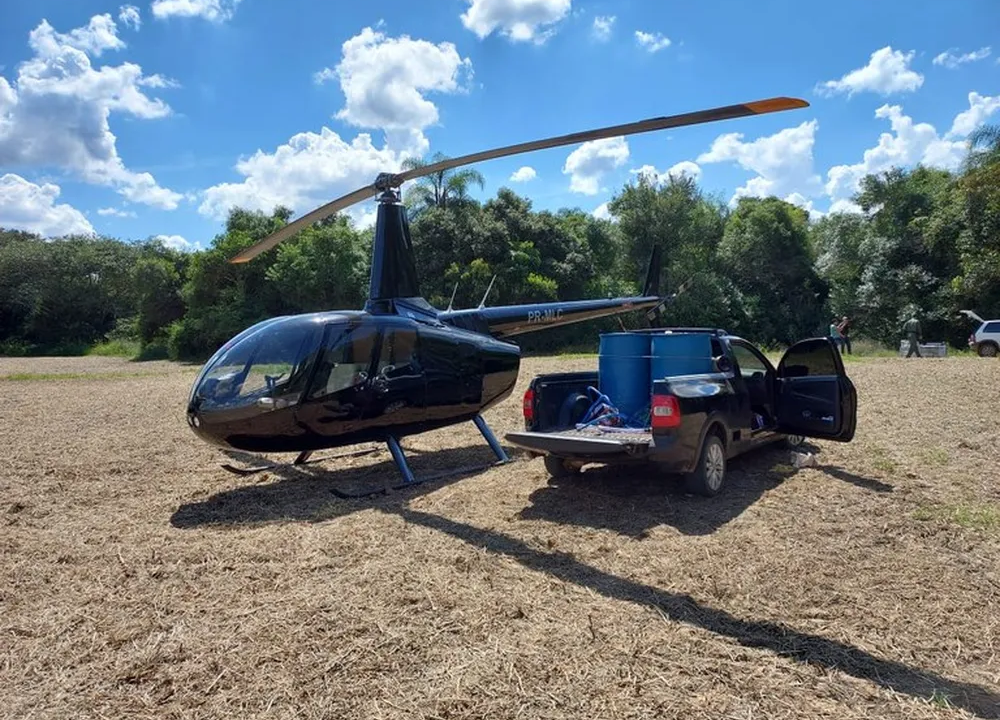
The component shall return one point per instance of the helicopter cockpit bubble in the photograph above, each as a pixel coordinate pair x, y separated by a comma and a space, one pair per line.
266, 368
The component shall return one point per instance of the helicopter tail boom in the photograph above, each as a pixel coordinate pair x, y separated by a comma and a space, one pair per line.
509, 320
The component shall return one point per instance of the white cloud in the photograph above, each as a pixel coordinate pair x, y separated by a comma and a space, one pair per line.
603, 26
116, 212
518, 20
27, 206
129, 16
523, 174
783, 161
652, 41
307, 171
384, 81
592, 160
980, 108
678, 170
888, 71
56, 113
949, 60
910, 143
213, 10
176, 242
601, 212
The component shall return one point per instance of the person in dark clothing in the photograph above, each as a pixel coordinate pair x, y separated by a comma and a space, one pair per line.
844, 328
913, 333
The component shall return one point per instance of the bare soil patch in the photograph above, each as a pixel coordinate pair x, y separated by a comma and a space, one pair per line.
139, 579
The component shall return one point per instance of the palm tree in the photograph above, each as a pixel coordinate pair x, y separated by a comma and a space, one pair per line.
984, 147
442, 188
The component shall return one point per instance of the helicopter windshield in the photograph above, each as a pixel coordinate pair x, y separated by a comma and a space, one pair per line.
269, 363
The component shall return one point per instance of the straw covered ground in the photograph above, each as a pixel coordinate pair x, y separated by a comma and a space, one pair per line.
138, 579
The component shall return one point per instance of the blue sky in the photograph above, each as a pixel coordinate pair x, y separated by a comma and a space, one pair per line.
154, 118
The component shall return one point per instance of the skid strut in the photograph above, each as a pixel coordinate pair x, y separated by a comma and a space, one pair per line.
409, 479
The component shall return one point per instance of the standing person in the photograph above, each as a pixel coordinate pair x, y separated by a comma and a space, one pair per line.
845, 333
836, 336
913, 333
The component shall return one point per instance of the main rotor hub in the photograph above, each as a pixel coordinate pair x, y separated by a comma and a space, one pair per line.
386, 182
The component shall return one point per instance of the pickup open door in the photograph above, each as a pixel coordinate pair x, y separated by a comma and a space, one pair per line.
813, 395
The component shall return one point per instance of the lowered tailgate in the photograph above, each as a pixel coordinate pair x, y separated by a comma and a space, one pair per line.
585, 443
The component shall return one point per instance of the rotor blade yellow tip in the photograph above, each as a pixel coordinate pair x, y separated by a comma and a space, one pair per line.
776, 104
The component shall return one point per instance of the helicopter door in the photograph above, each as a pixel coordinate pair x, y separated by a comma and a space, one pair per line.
341, 390
399, 392
454, 371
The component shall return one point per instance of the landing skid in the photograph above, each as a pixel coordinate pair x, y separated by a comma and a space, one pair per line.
409, 479
302, 459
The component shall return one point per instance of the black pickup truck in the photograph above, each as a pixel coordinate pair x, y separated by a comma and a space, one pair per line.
697, 422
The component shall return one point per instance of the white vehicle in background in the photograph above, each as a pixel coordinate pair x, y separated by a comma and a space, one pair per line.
986, 339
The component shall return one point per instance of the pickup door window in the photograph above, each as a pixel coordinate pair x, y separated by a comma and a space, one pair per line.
815, 398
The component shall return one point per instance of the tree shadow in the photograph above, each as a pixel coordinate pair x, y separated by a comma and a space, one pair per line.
779, 639
631, 500
312, 493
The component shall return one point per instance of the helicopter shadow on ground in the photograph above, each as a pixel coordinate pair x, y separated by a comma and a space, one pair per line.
314, 492
632, 500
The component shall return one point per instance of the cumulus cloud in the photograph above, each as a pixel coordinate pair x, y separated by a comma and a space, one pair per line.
55, 115
651, 41
602, 27
593, 160
783, 161
685, 168
517, 20
177, 242
129, 16
910, 143
27, 206
384, 81
212, 10
951, 61
307, 171
601, 212
115, 212
888, 71
523, 174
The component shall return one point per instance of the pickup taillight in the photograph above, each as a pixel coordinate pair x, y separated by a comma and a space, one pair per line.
528, 406
665, 412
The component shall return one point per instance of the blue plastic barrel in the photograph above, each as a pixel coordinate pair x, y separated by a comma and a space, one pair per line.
676, 354
623, 371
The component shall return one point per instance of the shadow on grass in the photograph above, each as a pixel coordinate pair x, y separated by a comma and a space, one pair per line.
312, 493
632, 500
779, 639
306, 493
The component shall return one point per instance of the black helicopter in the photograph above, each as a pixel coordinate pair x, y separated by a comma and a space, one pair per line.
399, 367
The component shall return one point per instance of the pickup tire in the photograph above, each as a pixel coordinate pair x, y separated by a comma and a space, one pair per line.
557, 467
710, 472
987, 349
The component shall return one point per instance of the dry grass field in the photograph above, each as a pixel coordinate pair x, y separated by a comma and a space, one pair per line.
140, 580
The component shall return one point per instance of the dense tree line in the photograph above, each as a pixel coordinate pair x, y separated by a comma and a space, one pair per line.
926, 241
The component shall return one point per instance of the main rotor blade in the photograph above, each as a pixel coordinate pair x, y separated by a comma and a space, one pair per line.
758, 107
293, 227
728, 112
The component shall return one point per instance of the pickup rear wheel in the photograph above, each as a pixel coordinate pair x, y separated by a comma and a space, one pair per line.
557, 467
987, 349
711, 471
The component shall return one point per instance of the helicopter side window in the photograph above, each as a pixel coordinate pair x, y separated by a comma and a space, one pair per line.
397, 356
346, 360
